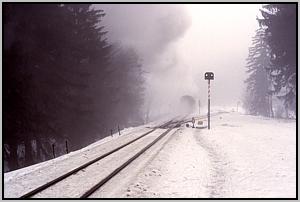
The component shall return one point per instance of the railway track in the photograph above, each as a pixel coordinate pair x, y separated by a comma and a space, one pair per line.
168, 125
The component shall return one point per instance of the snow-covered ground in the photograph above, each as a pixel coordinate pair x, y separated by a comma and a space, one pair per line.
241, 156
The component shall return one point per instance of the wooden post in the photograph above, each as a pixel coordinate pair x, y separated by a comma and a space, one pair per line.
53, 150
111, 132
119, 130
67, 149
193, 121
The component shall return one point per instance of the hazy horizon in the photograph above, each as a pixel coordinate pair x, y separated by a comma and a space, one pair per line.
179, 43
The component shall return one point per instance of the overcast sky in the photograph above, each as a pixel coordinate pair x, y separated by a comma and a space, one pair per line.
178, 43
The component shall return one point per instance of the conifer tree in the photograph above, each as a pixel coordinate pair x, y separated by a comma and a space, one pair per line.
63, 81
259, 87
279, 21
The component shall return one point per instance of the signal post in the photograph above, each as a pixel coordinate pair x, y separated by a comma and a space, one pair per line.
208, 76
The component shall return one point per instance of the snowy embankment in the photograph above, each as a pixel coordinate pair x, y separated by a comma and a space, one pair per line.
241, 156
19, 182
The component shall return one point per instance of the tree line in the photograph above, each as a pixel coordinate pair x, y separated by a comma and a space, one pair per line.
63, 81
271, 63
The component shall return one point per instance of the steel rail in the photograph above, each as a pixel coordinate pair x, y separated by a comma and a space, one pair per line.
121, 167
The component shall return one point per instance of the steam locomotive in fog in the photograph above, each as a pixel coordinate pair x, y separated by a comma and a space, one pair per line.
187, 104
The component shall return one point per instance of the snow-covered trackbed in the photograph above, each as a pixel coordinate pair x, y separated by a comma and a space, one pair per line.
109, 164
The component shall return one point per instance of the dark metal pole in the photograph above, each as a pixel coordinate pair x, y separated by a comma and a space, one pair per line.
208, 113
119, 130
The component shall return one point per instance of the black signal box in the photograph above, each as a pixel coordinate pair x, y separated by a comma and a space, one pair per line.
209, 76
